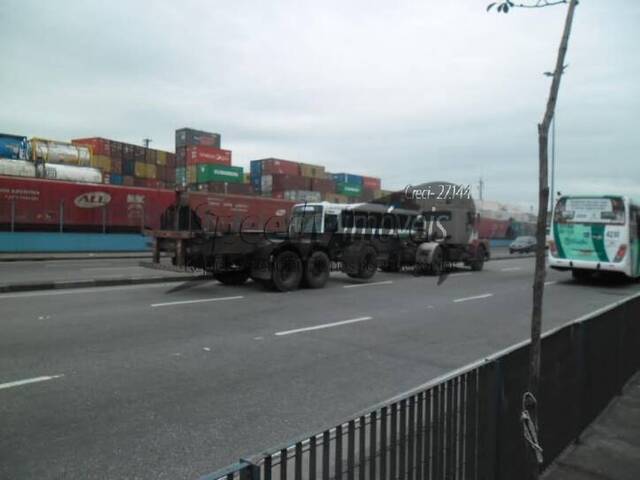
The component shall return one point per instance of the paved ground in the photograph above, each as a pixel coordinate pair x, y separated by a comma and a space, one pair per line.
610, 448
28, 271
175, 380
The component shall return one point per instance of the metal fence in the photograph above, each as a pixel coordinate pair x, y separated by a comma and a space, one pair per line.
56, 218
467, 425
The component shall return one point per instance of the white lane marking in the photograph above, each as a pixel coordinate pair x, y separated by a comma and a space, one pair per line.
460, 274
546, 284
476, 297
386, 282
27, 381
326, 325
98, 269
200, 300
73, 291
510, 269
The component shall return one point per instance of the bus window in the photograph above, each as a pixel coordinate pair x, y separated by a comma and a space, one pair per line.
361, 220
330, 223
347, 219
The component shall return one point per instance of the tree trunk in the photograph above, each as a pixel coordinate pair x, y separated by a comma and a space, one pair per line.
543, 201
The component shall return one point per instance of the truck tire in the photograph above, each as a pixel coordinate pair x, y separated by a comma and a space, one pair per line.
393, 264
232, 278
316, 270
286, 271
367, 263
477, 263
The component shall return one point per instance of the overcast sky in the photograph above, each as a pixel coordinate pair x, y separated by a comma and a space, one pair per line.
408, 91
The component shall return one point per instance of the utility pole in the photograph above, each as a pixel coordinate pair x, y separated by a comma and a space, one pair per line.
553, 161
146, 142
481, 189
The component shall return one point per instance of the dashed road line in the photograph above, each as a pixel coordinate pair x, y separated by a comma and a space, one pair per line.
386, 282
510, 269
19, 383
475, 297
200, 300
553, 282
326, 325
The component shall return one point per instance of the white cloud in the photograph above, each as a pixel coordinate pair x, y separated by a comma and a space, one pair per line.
402, 90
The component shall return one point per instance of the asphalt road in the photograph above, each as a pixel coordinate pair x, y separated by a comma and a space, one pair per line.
176, 380
61, 270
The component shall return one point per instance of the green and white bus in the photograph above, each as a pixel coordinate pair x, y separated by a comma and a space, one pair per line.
596, 233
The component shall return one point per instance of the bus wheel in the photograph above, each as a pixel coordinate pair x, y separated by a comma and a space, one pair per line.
286, 271
436, 266
316, 271
477, 263
232, 278
581, 275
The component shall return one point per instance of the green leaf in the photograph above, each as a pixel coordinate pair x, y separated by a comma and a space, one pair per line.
506, 8
490, 6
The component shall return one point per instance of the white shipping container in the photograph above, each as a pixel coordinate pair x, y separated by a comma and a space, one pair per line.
60, 152
57, 171
266, 183
17, 168
302, 196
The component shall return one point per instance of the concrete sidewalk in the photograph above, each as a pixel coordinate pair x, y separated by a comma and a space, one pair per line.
609, 449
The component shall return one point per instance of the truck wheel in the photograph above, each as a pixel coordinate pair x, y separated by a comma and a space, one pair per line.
392, 264
316, 271
286, 271
231, 278
367, 263
477, 263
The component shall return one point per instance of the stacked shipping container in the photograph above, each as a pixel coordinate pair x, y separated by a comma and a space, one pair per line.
202, 165
131, 165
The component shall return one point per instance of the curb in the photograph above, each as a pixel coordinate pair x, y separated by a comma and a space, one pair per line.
513, 257
107, 282
74, 257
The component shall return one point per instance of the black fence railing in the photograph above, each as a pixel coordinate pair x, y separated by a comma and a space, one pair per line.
466, 425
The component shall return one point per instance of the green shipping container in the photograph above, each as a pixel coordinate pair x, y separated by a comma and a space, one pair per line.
219, 173
349, 189
181, 175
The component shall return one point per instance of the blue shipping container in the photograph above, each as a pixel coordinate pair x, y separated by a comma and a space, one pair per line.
347, 178
115, 179
14, 147
256, 168
128, 167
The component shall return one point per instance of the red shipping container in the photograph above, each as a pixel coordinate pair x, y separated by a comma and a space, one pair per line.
128, 180
239, 188
271, 166
323, 185
203, 154
37, 205
171, 160
371, 183
281, 182
99, 146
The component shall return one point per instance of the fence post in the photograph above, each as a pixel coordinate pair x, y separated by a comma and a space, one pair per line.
61, 215
13, 214
104, 219
251, 472
489, 410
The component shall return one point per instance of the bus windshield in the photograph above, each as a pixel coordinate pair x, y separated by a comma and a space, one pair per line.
609, 210
306, 219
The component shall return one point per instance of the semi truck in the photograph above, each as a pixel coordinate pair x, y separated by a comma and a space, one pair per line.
429, 235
